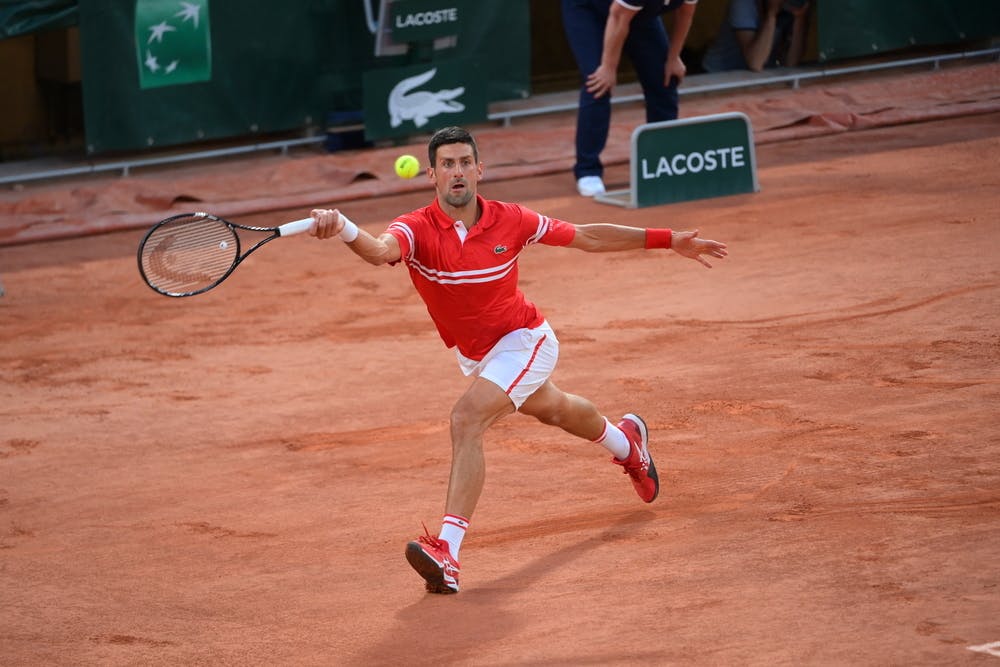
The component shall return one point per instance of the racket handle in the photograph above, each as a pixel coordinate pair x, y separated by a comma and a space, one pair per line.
296, 227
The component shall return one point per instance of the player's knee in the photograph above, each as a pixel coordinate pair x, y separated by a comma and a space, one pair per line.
465, 421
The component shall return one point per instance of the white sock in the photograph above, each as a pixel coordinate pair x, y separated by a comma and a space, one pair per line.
453, 529
615, 441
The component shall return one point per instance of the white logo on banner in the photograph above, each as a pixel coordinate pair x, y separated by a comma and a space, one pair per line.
422, 105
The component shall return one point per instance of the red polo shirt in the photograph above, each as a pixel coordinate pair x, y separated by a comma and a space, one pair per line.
470, 286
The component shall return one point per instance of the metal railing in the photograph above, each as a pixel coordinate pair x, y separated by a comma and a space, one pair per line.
746, 80
753, 80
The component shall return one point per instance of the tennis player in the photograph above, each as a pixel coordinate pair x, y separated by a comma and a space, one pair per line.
461, 252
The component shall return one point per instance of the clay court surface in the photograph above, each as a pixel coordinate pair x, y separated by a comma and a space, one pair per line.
231, 479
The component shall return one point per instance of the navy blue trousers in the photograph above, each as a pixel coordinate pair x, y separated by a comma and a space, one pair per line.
646, 47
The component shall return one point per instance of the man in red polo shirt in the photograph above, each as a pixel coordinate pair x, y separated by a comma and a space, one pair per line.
462, 252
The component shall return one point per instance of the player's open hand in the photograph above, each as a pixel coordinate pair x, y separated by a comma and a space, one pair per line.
328, 224
689, 245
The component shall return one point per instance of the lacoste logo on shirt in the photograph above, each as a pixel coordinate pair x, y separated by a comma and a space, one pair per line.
500, 249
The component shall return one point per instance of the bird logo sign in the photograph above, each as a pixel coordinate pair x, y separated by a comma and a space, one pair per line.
173, 42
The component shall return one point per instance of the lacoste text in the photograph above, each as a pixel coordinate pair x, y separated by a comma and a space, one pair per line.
449, 15
710, 160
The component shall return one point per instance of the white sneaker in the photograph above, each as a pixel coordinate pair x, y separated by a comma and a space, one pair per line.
588, 186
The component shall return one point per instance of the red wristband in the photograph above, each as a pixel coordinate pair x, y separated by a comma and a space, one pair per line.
658, 238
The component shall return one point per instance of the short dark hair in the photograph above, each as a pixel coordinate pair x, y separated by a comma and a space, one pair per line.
450, 135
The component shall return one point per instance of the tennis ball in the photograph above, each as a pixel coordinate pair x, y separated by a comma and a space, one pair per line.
407, 166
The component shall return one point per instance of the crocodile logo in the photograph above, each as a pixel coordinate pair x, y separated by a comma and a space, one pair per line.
422, 105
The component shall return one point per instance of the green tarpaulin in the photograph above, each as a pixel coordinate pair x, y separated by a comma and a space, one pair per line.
23, 17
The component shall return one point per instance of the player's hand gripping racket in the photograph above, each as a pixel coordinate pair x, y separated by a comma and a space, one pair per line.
191, 253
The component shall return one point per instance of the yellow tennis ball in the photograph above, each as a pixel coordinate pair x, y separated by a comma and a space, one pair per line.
407, 166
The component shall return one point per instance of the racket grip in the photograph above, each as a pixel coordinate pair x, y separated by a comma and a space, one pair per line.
296, 227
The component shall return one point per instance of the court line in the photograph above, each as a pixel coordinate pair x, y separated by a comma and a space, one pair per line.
993, 648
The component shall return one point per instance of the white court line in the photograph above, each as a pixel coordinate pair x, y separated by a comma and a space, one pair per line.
993, 648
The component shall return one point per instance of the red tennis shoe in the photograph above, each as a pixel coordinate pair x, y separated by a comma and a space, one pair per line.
431, 558
639, 465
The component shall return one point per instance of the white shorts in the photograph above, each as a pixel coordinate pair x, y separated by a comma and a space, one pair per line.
520, 362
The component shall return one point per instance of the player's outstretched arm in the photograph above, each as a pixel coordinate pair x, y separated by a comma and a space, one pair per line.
609, 238
332, 223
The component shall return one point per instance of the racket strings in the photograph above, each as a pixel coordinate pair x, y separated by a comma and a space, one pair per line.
189, 254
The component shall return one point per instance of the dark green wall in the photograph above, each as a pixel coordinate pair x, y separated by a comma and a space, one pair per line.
852, 28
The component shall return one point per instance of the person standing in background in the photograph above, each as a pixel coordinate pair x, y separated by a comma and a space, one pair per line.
598, 31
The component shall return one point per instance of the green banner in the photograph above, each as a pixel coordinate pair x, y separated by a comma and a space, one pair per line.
405, 100
161, 73
172, 46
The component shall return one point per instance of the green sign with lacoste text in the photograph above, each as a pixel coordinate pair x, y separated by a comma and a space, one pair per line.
400, 101
424, 20
691, 158
173, 42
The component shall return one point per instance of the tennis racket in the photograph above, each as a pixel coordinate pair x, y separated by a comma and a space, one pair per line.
191, 253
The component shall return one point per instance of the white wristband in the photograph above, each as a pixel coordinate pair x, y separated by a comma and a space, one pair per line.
350, 230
